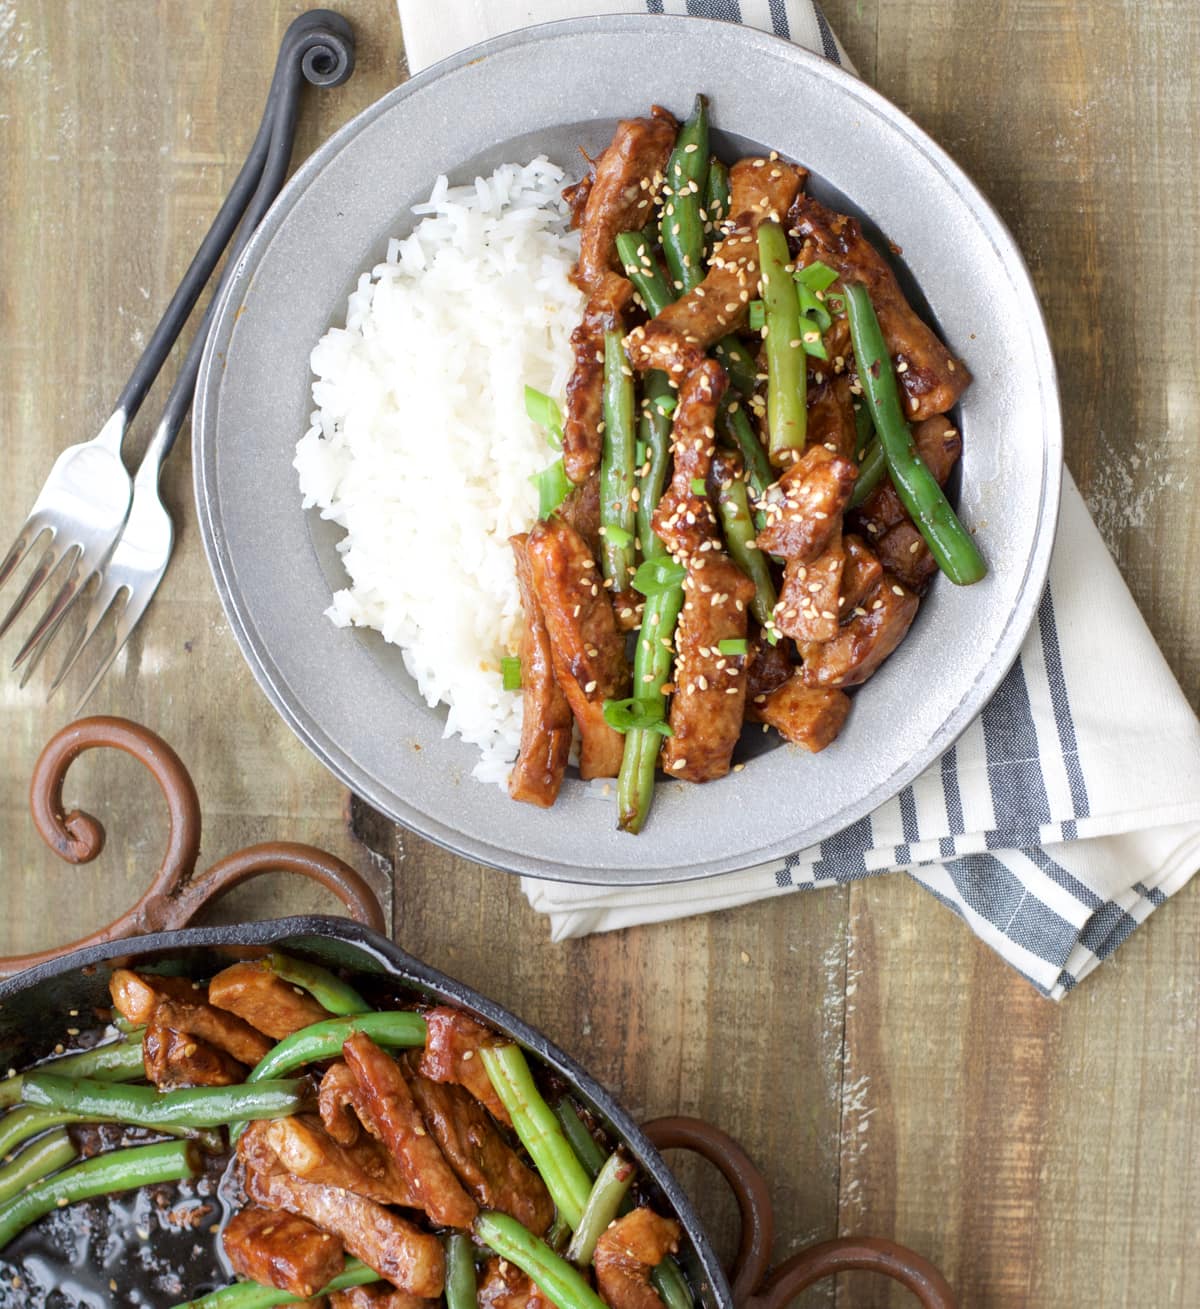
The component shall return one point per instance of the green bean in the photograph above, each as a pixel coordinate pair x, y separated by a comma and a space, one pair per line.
864, 430
609, 1189
654, 431
326, 988
581, 1140
736, 428
871, 471
250, 1295
671, 1285
786, 366
538, 1130
618, 558
114, 1061
28, 1120
738, 526
324, 1040
44, 1156
461, 1292
739, 363
716, 199
146, 1106
121, 1170
681, 229
652, 660
552, 1275
949, 542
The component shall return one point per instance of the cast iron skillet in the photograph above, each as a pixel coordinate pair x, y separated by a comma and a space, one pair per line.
124, 1241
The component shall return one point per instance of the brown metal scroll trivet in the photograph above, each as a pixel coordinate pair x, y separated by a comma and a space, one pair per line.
175, 895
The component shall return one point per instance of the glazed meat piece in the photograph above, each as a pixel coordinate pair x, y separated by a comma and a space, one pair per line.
480, 1157
409, 1258
808, 601
627, 1252
587, 646
581, 510
861, 572
173, 1059
804, 508
391, 1115
930, 377
264, 1000
451, 1051
546, 722
678, 338
582, 440
683, 519
305, 1148
176, 1003
808, 716
831, 417
339, 1102
875, 629
764, 188
903, 552
939, 445
281, 1250
378, 1297
625, 180
770, 666
710, 688
504, 1286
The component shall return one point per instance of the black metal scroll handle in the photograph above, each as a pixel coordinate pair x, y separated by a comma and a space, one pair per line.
317, 47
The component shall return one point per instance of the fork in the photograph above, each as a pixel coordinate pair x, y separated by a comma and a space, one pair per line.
106, 525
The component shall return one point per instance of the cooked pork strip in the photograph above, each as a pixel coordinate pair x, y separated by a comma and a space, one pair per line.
859, 576
305, 1148
481, 1158
931, 378
583, 442
626, 1253
264, 1000
875, 629
451, 1051
804, 508
903, 552
136, 996
710, 688
770, 667
808, 716
411, 1259
378, 1297
581, 510
392, 1116
281, 1250
831, 416
546, 722
504, 1286
764, 188
808, 601
338, 1102
587, 646
684, 519
173, 1059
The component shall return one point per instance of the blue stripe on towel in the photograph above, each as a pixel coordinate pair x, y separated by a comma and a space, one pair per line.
779, 19
1019, 799
1067, 880
730, 11
843, 856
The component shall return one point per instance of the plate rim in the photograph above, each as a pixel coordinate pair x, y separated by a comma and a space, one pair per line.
339, 761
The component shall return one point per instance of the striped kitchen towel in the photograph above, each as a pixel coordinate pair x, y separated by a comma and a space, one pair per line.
1068, 812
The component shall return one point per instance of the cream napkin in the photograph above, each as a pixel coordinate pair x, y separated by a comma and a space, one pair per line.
1067, 812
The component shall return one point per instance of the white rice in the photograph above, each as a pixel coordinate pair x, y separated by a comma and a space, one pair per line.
420, 446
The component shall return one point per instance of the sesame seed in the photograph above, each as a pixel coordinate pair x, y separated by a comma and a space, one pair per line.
589, 688
897, 590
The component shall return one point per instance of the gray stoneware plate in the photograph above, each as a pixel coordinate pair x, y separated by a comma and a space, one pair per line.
550, 90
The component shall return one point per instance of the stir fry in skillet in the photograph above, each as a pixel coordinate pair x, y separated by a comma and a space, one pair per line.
391, 1158
754, 449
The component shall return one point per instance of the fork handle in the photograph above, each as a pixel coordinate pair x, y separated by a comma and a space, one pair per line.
319, 46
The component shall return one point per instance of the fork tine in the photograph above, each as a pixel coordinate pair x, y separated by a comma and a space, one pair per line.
48, 624
29, 535
102, 602
37, 579
31, 664
125, 624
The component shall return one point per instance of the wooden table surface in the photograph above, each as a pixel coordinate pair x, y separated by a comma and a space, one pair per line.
888, 1072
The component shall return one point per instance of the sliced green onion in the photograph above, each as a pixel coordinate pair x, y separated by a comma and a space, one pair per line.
811, 307
816, 277
655, 576
510, 673
699, 486
617, 535
758, 315
665, 404
636, 715
553, 487
733, 646
545, 411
